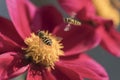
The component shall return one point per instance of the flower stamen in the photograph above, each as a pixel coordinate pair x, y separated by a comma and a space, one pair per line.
44, 48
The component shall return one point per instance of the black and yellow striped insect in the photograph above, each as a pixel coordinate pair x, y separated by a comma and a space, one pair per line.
70, 21
44, 38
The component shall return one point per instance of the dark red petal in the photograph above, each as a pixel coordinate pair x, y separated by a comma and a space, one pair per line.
33, 74
59, 75
72, 75
19, 15
36, 72
7, 28
78, 39
83, 66
68, 6
46, 18
110, 38
7, 66
47, 75
7, 44
40, 75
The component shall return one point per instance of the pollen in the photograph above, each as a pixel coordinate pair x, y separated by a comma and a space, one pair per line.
41, 53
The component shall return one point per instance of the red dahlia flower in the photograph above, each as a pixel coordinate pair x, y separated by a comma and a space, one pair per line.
85, 12
41, 55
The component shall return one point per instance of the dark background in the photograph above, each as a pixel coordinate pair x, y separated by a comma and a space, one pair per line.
109, 62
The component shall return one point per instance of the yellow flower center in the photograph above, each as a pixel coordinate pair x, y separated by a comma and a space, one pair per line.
43, 49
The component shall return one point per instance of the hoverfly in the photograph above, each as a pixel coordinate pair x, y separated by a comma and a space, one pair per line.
71, 21
44, 38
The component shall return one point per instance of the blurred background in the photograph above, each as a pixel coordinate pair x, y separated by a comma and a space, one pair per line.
109, 62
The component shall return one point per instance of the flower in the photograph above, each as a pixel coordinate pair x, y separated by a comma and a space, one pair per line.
86, 13
116, 3
41, 54
104, 11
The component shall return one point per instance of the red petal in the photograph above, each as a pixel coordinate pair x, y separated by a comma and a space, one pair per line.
66, 74
31, 9
46, 18
19, 71
5, 61
7, 28
33, 74
37, 73
68, 6
78, 39
83, 66
7, 44
7, 69
19, 15
59, 75
110, 39
47, 75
